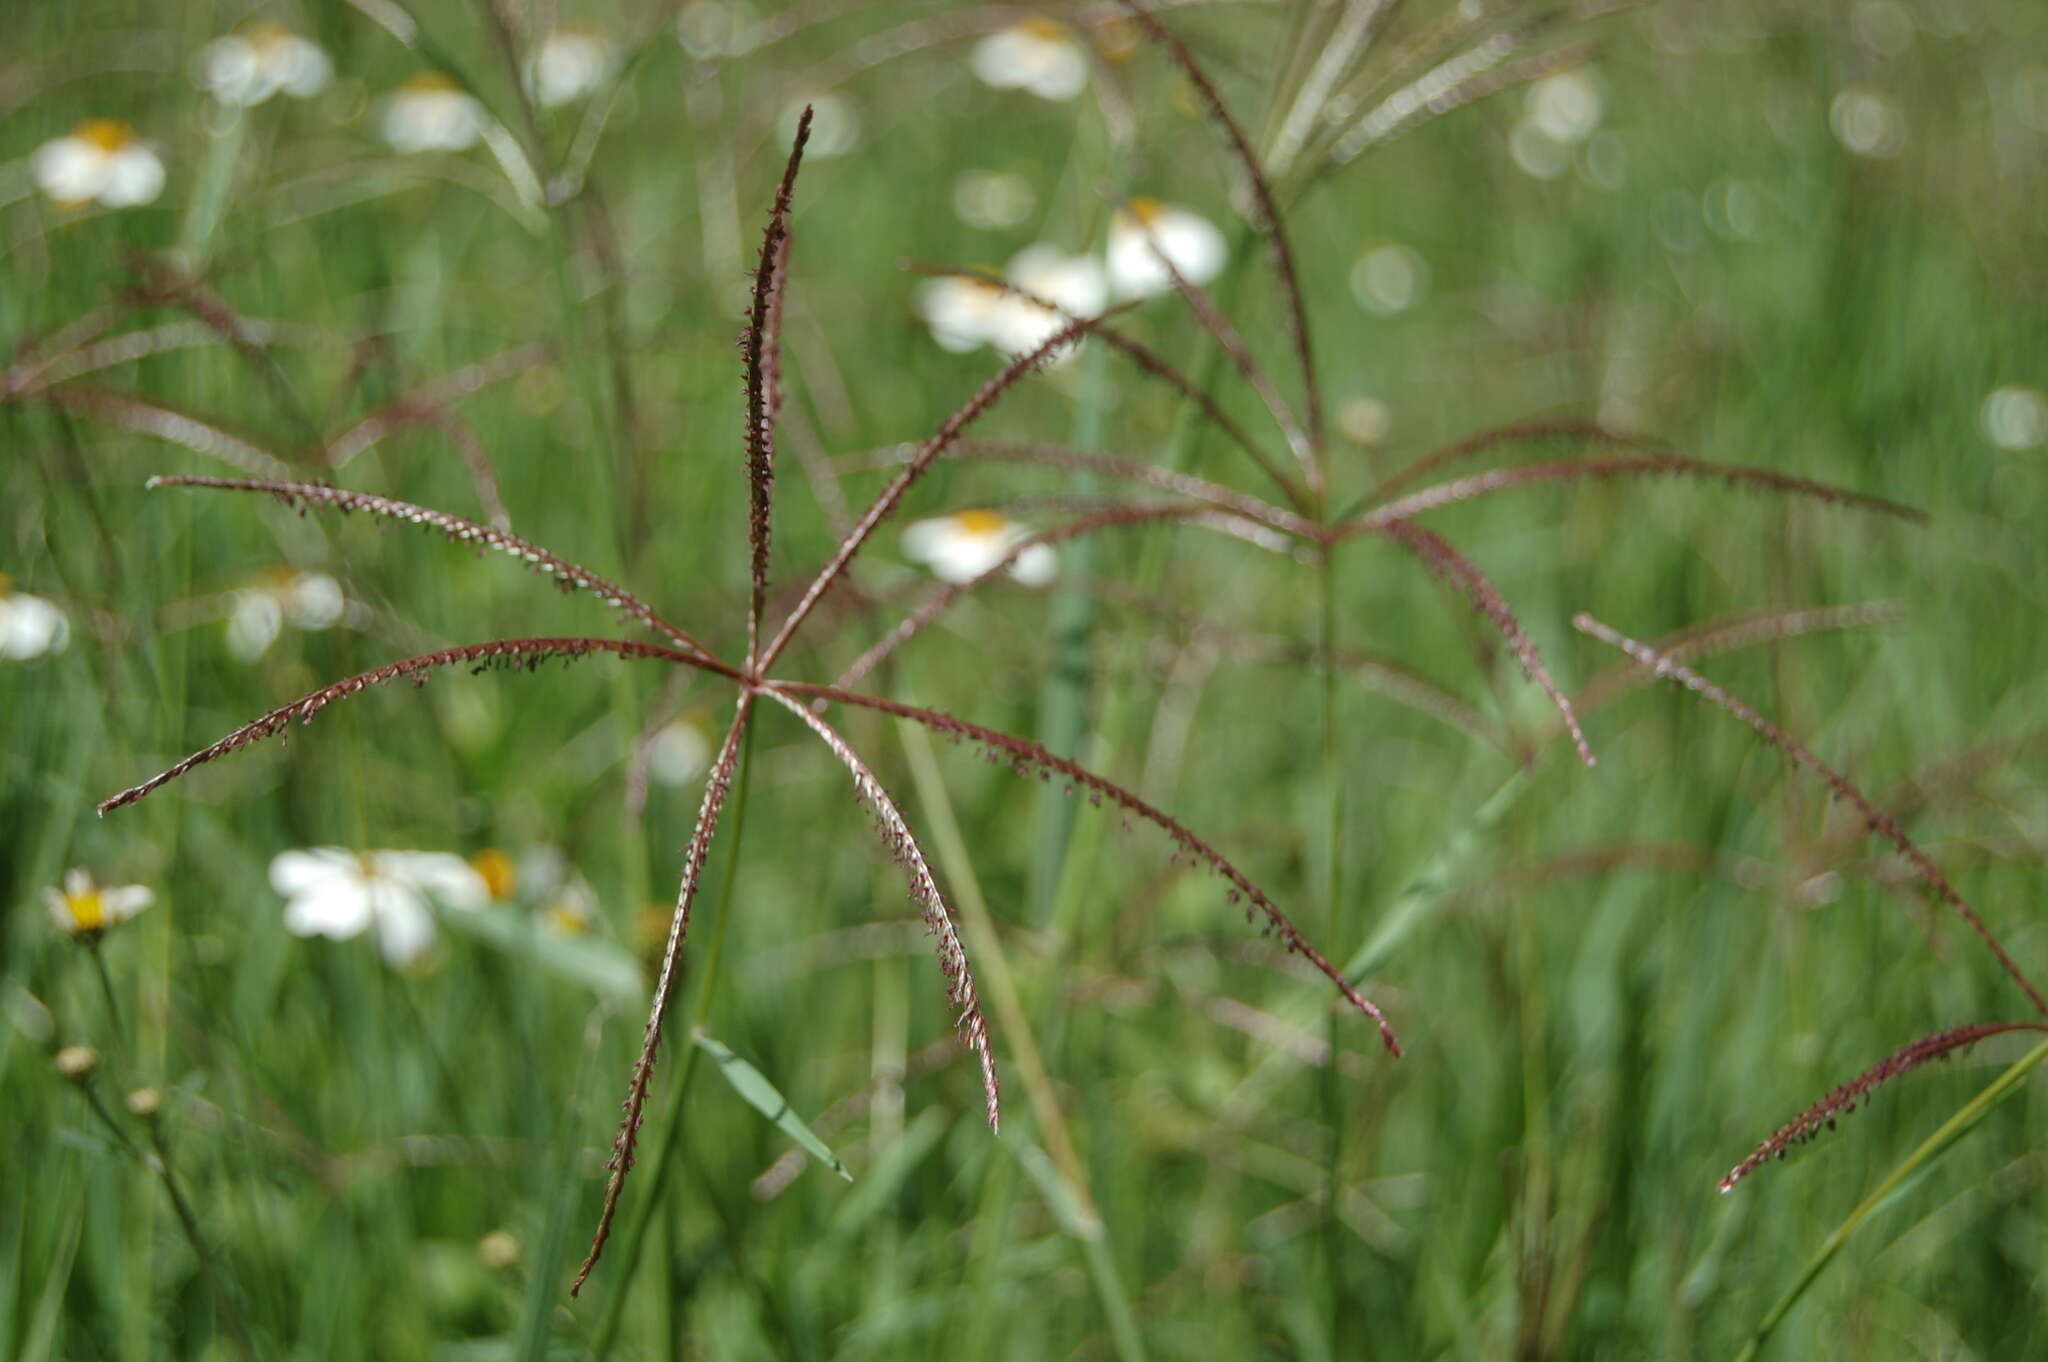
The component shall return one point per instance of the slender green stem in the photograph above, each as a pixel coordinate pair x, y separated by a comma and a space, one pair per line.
99, 968
993, 966
1951, 1130
1332, 873
654, 1182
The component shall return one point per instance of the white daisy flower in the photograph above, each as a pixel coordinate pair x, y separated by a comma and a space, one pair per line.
1868, 122
1566, 107
340, 894
1037, 55
101, 160
304, 600
2013, 418
85, 908
29, 625
962, 310
265, 59
1147, 229
431, 112
571, 63
678, 753
993, 199
1073, 284
962, 546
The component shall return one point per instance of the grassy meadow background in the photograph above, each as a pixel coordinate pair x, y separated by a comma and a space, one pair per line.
1611, 982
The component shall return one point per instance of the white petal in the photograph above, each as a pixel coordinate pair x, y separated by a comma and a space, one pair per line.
1062, 72
961, 312
1002, 60
30, 627
449, 878
405, 927
300, 67
71, 170
678, 754
923, 538
232, 72
253, 624
297, 872
432, 120
1036, 566
1073, 283
125, 902
134, 176
335, 908
314, 601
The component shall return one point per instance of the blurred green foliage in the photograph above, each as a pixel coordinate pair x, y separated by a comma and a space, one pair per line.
1615, 986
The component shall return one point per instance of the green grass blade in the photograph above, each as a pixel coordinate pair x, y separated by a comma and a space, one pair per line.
753, 1086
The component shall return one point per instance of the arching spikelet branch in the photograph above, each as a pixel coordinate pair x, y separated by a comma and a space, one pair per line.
1844, 1099
987, 396
894, 831
1151, 475
1515, 432
716, 787
942, 600
761, 345
1269, 214
145, 417
1027, 756
1439, 557
1878, 821
1227, 336
299, 495
1636, 465
524, 653
426, 402
1148, 360
1714, 637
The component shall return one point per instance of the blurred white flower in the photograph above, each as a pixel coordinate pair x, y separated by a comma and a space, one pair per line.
571, 63
29, 625
431, 112
1389, 278
1868, 123
304, 600
99, 160
1073, 284
993, 199
1147, 229
964, 311
1037, 55
961, 310
709, 30
962, 546
571, 910
2015, 418
678, 753
1364, 420
1566, 107
340, 894
835, 124
85, 908
264, 59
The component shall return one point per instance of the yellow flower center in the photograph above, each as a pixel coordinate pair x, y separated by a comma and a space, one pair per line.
1146, 210
266, 34
108, 134
567, 920
1044, 29
433, 83
496, 869
979, 523
88, 910
6, 586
